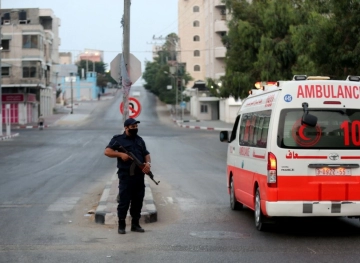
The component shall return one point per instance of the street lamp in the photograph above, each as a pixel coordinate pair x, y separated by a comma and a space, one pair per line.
71, 85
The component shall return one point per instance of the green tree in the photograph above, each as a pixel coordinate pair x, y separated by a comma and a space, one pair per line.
157, 73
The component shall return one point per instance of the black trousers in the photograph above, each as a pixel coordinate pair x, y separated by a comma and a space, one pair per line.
131, 193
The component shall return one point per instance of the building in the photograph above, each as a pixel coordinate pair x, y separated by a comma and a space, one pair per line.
191, 32
65, 58
91, 55
30, 42
79, 89
216, 28
202, 24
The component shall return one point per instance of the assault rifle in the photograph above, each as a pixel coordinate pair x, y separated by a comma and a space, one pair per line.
137, 163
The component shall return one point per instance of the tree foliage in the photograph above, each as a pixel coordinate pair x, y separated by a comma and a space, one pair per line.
157, 73
271, 40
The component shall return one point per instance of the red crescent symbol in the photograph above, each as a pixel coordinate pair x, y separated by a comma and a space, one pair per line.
301, 133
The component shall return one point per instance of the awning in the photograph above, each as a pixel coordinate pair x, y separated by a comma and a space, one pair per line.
5, 65
200, 85
6, 37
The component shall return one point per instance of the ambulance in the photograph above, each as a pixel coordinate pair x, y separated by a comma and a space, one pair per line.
294, 150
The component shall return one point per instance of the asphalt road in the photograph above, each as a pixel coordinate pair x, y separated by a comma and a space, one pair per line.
50, 179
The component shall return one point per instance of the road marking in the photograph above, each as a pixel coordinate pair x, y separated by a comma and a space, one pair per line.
63, 204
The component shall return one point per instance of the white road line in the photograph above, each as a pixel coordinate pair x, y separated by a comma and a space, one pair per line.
63, 204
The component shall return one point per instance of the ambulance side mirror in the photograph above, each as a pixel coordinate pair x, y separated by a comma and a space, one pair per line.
224, 136
309, 120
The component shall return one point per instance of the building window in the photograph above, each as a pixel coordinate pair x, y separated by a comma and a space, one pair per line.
31, 41
196, 23
196, 38
196, 9
203, 108
31, 69
5, 71
5, 44
196, 68
197, 53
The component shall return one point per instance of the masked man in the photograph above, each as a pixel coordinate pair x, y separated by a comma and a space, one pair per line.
131, 180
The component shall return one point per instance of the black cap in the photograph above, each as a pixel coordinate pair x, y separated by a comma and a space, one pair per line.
130, 121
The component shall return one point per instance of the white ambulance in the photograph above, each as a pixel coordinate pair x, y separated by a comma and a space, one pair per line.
294, 150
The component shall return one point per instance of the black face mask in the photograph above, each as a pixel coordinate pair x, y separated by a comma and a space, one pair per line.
133, 131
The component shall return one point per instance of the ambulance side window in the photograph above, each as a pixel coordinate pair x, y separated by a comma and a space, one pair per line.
245, 129
254, 128
234, 130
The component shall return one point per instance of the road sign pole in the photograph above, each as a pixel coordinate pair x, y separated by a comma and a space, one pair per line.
126, 54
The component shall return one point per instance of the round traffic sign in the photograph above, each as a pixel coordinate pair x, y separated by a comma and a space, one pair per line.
134, 107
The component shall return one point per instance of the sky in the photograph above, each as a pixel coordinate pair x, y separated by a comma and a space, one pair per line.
96, 24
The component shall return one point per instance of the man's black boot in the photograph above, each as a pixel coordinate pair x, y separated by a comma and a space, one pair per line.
122, 226
135, 226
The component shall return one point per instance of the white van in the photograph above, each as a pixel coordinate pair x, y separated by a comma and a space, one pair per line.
294, 150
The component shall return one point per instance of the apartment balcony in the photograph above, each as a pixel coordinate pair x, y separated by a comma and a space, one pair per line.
218, 3
23, 82
220, 52
221, 26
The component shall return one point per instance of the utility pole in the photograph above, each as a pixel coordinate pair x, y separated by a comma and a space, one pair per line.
126, 54
1, 118
71, 85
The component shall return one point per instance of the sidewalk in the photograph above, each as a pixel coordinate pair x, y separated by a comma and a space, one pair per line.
81, 111
187, 121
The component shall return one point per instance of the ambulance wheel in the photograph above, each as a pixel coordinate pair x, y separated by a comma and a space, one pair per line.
259, 216
235, 205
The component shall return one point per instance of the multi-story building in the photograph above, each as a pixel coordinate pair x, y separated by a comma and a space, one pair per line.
191, 32
93, 55
202, 24
30, 48
216, 28
65, 58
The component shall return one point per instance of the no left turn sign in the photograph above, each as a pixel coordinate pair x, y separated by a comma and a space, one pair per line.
134, 107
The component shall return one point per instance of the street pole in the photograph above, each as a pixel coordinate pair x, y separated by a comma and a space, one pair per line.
126, 54
72, 102
182, 99
1, 119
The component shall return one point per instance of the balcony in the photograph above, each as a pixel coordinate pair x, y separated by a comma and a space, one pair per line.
218, 3
220, 52
221, 26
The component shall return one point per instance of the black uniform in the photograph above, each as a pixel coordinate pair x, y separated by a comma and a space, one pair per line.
131, 188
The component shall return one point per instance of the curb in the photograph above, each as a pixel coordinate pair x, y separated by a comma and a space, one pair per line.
28, 127
3, 138
106, 212
179, 123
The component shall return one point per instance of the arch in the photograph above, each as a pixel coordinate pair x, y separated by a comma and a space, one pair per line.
197, 53
196, 68
196, 23
196, 38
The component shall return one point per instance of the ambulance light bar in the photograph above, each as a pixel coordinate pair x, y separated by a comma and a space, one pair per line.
353, 78
318, 78
300, 77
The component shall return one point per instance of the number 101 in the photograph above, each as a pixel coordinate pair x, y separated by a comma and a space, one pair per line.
355, 132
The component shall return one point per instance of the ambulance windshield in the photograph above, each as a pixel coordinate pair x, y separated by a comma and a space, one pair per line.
335, 129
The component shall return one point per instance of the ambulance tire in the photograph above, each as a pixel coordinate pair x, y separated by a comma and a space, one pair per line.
259, 216
235, 205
